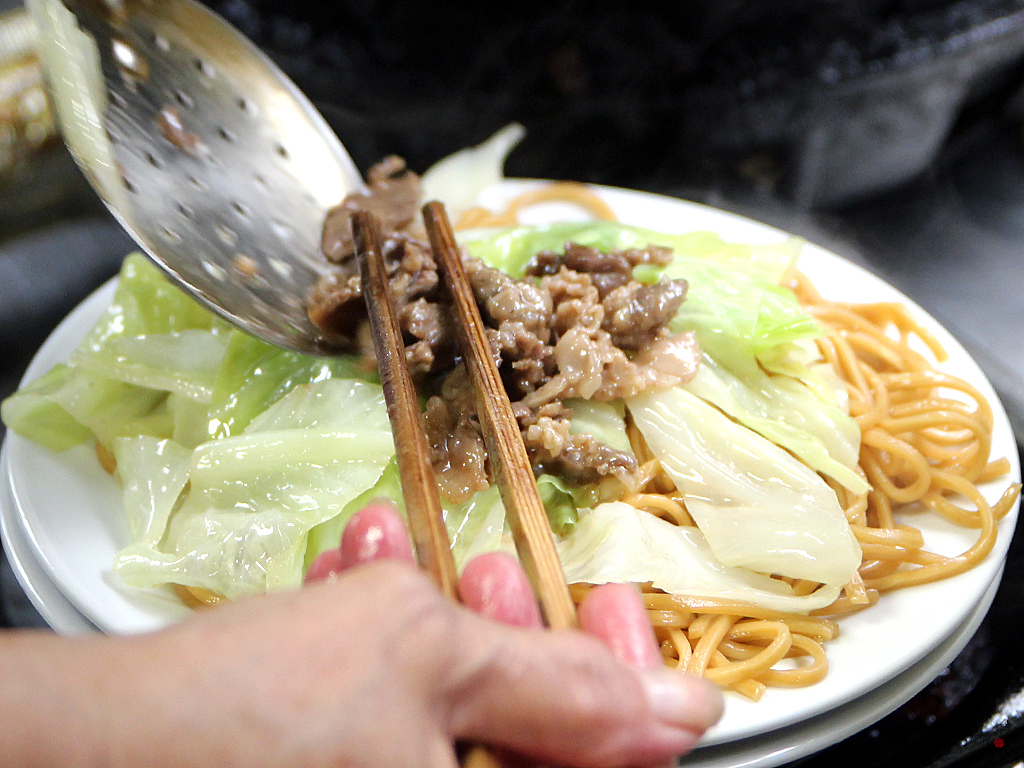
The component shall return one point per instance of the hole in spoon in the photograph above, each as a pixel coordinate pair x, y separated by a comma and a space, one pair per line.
205, 68
284, 270
246, 266
283, 231
214, 270
227, 235
129, 60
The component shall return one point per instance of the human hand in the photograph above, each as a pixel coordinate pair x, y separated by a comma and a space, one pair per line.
495, 586
371, 667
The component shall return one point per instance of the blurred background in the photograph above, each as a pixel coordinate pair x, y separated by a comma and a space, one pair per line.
887, 130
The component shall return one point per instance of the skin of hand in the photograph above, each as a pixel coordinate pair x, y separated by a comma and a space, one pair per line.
494, 585
368, 666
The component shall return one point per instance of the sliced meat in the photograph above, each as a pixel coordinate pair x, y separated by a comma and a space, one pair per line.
576, 326
635, 314
393, 196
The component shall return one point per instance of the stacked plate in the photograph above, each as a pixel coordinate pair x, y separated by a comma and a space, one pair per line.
62, 523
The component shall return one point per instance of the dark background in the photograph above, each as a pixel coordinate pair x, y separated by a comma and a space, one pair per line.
887, 130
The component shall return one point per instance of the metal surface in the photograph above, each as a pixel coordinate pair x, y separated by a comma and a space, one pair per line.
206, 153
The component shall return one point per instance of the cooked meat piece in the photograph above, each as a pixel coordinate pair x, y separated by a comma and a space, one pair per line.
585, 460
577, 458
393, 196
676, 356
336, 307
577, 326
634, 312
411, 268
589, 362
607, 271
655, 255
457, 450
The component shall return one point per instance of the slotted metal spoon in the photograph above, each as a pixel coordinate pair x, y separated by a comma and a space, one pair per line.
208, 155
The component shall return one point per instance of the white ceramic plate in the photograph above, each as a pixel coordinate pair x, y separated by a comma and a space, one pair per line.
71, 509
56, 610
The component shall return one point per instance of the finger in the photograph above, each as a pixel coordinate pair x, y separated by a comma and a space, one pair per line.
564, 698
375, 532
326, 566
495, 586
616, 615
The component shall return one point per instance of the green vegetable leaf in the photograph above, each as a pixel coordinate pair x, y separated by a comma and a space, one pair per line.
558, 503
68, 405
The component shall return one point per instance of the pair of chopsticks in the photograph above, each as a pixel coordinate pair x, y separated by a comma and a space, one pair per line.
510, 465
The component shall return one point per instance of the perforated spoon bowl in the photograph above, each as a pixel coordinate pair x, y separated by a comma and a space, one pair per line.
208, 155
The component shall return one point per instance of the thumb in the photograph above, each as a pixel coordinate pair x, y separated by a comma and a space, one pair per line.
562, 697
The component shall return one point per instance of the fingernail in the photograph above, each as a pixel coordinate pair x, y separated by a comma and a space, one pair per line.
681, 699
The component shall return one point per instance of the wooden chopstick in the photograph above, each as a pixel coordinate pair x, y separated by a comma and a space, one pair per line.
509, 463
419, 487
416, 473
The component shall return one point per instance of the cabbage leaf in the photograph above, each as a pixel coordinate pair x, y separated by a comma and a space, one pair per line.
247, 502
154, 335
618, 543
757, 506
789, 414
67, 406
459, 178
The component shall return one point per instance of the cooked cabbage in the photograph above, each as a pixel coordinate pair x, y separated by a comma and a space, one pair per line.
240, 461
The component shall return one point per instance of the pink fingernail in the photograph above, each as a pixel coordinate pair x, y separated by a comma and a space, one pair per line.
375, 532
495, 586
326, 566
